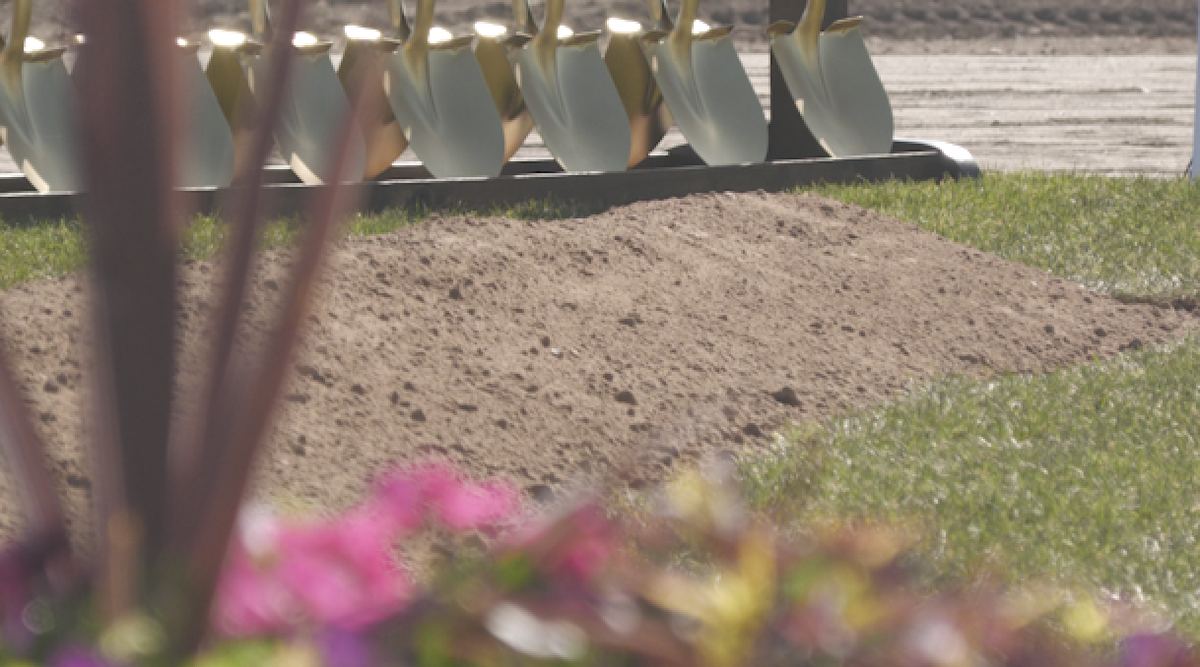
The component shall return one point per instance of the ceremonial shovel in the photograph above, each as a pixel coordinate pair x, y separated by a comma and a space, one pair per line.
648, 117
492, 53
441, 99
568, 90
37, 109
207, 156
707, 89
834, 82
361, 72
314, 112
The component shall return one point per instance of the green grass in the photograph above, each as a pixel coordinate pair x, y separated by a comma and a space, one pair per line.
54, 248
1130, 237
1088, 474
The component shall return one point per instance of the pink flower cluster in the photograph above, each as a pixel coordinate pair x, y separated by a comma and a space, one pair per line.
341, 572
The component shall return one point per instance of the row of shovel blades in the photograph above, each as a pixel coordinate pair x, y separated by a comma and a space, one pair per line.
465, 111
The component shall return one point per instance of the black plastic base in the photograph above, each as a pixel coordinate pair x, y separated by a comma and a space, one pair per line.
675, 173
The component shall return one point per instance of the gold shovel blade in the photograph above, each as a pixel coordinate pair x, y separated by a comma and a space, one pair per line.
648, 116
492, 54
361, 73
313, 118
208, 154
836, 87
37, 120
575, 105
708, 92
444, 105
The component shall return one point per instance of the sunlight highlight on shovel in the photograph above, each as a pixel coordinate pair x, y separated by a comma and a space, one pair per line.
648, 116
707, 89
574, 102
361, 72
315, 109
834, 82
37, 109
441, 99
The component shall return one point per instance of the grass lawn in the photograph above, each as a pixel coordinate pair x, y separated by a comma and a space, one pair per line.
1090, 474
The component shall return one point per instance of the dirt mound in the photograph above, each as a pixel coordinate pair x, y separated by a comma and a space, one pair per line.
547, 351
888, 19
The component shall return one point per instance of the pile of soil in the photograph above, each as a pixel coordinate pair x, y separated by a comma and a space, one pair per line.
903, 20
549, 352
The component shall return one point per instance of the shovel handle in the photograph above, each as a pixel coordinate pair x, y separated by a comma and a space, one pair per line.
553, 19
401, 29
808, 31
423, 24
14, 50
661, 16
260, 20
523, 15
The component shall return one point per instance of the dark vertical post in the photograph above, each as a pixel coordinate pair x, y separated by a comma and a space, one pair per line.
789, 136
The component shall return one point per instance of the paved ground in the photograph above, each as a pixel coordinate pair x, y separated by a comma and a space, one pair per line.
1104, 114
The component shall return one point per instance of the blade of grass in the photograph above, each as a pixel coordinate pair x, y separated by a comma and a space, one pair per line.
128, 142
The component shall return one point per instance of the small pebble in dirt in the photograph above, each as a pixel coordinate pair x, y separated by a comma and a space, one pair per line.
608, 377
626, 397
545, 341
358, 389
1101, 332
456, 294
417, 416
395, 397
753, 431
1049, 328
540, 493
467, 407
787, 396
50, 387
408, 386
556, 352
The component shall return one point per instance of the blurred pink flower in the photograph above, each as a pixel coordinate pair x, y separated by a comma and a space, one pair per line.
438, 490
340, 573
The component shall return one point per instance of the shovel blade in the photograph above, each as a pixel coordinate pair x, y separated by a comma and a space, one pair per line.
648, 116
40, 129
492, 56
361, 73
208, 155
841, 97
447, 113
712, 100
575, 106
313, 119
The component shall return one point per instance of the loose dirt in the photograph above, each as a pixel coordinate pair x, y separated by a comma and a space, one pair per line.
548, 352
